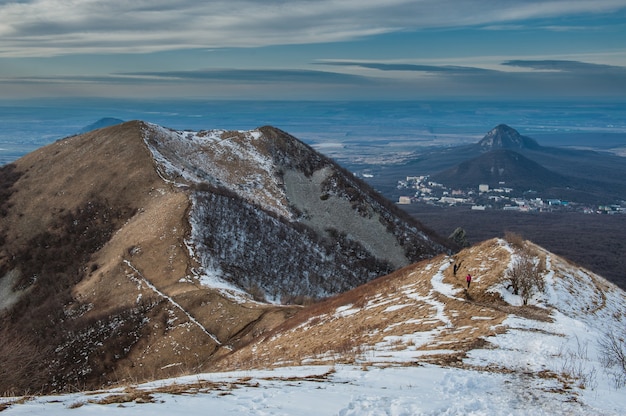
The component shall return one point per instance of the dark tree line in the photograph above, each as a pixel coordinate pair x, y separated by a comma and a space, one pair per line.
256, 249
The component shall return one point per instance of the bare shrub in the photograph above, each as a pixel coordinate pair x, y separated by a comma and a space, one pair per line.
575, 366
515, 240
8, 178
257, 293
612, 348
23, 367
459, 237
524, 277
302, 300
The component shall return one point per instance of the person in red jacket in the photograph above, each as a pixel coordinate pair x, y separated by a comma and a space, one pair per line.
468, 279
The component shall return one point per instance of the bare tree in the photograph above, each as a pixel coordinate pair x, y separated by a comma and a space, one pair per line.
613, 355
524, 277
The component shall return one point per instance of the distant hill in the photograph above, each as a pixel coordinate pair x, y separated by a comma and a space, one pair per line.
103, 122
501, 166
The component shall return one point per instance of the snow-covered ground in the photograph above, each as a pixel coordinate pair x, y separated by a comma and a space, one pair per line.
535, 367
343, 390
513, 385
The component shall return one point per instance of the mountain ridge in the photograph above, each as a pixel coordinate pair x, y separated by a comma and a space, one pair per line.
401, 340
118, 278
143, 243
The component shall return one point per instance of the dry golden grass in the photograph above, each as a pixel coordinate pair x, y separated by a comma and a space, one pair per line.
402, 312
140, 395
114, 166
6, 404
392, 312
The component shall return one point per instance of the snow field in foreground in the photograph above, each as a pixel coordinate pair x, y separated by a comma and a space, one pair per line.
346, 391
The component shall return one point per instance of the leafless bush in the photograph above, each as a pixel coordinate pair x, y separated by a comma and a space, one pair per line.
8, 177
257, 293
23, 369
612, 348
524, 277
515, 240
302, 300
576, 366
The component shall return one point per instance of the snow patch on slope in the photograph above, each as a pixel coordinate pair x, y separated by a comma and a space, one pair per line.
584, 308
233, 159
444, 288
338, 390
229, 159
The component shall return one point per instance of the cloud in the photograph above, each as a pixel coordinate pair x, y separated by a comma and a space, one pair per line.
197, 77
60, 27
224, 83
533, 78
444, 69
532, 66
568, 67
538, 78
249, 75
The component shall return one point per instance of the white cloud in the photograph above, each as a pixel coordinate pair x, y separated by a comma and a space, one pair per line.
58, 27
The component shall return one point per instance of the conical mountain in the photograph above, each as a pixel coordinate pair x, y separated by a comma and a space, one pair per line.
139, 251
505, 137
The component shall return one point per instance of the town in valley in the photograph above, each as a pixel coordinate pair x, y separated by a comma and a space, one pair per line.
422, 190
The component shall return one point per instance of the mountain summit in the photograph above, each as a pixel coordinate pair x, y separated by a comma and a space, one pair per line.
505, 137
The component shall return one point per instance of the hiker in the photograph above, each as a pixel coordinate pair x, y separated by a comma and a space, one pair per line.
455, 268
468, 279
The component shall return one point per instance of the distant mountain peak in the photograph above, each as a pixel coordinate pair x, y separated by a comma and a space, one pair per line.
505, 137
103, 122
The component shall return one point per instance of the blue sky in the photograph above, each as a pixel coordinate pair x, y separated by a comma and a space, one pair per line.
313, 49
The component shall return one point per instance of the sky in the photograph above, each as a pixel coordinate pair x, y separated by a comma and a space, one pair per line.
313, 49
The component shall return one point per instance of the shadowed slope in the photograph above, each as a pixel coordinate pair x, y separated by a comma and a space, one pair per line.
501, 166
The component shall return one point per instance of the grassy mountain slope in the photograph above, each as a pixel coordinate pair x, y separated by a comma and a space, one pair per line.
426, 314
135, 252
